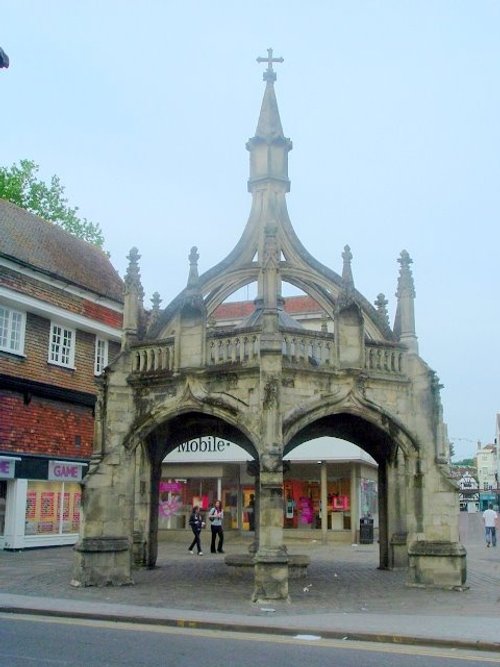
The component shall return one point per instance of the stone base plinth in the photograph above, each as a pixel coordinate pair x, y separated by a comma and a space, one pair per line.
103, 561
398, 552
297, 564
271, 578
437, 565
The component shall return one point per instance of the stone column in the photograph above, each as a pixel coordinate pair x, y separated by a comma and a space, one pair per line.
383, 491
154, 499
354, 503
436, 557
271, 559
103, 554
254, 470
396, 512
142, 506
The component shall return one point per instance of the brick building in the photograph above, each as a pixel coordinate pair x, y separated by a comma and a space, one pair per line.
487, 471
61, 305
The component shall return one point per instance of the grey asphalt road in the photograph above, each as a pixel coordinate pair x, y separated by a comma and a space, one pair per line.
43, 642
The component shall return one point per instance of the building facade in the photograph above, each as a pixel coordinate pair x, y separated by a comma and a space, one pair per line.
469, 492
205, 469
61, 309
487, 472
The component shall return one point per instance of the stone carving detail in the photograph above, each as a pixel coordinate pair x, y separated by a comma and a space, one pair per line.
271, 460
271, 248
271, 392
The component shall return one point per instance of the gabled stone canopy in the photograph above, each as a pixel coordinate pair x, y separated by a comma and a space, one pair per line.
269, 385
269, 231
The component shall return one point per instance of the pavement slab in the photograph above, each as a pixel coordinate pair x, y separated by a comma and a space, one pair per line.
344, 594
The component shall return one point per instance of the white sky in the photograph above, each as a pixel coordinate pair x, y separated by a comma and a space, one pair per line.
143, 111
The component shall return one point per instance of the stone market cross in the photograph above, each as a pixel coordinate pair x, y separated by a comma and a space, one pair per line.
269, 385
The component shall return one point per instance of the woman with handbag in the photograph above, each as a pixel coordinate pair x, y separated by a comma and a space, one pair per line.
216, 518
196, 522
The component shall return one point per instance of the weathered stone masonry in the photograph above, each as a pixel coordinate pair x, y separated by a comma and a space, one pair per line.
270, 385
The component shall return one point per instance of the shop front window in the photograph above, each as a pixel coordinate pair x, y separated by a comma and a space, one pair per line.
302, 506
52, 508
178, 496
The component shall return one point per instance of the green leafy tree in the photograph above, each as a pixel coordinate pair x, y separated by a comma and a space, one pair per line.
20, 185
471, 463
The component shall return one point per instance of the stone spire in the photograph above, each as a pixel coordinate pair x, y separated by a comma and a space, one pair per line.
133, 275
134, 295
347, 278
269, 147
381, 306
193, 277
155, 310
347, 294
404, 321
193, 298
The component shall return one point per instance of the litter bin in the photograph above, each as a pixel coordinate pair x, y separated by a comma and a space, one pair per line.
366, 531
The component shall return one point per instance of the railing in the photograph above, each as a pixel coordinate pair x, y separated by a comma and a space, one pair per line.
243, 347
148, 358
314, 349
384, 358
309, 349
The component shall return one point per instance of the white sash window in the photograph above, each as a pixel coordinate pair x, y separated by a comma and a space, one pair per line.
12, 328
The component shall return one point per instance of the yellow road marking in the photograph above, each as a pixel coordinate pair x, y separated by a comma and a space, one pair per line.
191, 628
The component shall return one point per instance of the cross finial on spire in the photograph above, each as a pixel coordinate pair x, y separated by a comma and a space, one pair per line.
269, 74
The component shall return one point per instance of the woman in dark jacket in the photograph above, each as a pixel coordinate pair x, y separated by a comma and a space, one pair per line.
196, 522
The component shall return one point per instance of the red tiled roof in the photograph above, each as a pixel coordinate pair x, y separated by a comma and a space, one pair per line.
302, 304
46, 247
234, 310
293, 305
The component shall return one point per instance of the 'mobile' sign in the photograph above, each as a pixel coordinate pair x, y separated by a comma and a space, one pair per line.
207, 449
65, 471
202, 445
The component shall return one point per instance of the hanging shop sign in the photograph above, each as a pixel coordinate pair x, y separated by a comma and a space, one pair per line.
65, 471
8, 466
208, 444
207, 449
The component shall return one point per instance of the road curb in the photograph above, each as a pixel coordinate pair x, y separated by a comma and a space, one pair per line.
186, 622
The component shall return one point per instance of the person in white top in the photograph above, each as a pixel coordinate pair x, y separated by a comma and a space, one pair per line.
490, 519
216, 516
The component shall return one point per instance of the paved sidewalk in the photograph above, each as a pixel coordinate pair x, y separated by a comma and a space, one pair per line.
344, 594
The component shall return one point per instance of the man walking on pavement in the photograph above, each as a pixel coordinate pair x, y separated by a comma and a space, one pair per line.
490, 518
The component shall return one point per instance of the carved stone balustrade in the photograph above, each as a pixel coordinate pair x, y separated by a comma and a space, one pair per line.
153, 357
309, 349
384, 358
238, 347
